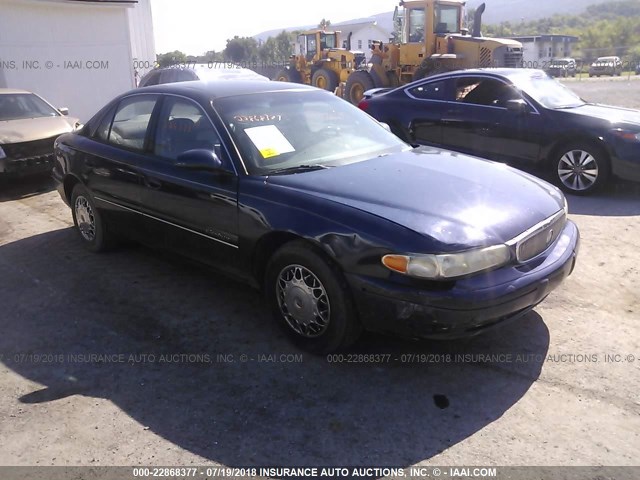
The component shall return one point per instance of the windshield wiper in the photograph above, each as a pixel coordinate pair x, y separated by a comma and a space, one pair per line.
299, 168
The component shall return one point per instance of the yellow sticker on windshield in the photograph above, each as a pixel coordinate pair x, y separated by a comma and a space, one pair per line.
269, 141
269, 152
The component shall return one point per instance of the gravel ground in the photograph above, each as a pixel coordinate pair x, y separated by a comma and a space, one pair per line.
192, 371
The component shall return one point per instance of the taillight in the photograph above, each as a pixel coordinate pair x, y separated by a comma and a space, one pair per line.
364, 105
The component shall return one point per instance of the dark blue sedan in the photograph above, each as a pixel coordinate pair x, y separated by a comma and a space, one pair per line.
518, 116
341, 224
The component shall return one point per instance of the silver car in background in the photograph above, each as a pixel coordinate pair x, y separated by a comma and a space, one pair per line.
29, 126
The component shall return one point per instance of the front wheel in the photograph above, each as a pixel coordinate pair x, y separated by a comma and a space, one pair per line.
325, 79
581, 169
288, 75
358, 83
92, 229
309, 297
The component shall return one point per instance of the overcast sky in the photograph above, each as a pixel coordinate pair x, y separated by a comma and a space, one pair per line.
196, 26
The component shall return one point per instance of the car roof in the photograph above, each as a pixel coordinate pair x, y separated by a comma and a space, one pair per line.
495, 72
12, 91
222, 88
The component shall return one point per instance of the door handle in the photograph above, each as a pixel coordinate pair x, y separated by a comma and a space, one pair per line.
154, 184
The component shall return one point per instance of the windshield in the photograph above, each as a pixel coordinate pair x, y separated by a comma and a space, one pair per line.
282, 130
16, 106
547, 91
447, 19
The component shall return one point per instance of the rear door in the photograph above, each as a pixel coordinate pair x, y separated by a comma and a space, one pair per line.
113, 170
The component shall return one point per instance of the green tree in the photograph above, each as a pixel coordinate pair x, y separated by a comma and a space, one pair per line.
268, 51
324, 24
284, 49
241, 49
171, 58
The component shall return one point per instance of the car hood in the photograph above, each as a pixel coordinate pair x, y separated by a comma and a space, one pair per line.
613, 115
461, 201
29, 129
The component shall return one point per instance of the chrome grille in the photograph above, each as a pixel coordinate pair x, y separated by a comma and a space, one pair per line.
538, 239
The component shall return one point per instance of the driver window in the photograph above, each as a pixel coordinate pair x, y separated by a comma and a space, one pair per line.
183, 126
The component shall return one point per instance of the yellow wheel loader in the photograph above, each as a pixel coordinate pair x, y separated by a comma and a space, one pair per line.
320, 62
432, 40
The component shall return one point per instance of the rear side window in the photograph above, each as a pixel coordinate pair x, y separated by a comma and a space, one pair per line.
102, 132
131, 122
429, 91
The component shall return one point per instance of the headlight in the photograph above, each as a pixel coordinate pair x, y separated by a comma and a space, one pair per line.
2, 154
633, 136
450, 265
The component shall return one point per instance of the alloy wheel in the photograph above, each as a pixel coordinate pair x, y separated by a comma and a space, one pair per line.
578, 170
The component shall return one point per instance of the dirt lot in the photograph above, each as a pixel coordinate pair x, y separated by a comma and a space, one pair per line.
135, 358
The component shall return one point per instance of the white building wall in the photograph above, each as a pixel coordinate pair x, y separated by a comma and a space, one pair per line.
75, 54
362, 34
143, 48
538, 54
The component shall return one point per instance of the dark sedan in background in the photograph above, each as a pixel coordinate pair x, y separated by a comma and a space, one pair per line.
301, 194
518, 116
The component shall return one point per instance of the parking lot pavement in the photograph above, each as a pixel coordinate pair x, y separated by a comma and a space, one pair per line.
134, 358
622, 91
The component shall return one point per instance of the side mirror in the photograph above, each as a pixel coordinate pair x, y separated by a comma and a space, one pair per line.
385, 126
64, 111
518, 106
199, 159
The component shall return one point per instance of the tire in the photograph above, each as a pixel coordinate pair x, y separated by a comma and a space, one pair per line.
90, 225
325, 79
310, 299
358, 83
288, 75
580, 168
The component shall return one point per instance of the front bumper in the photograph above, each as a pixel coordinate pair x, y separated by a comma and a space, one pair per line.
26, 166
473, 304
625, 160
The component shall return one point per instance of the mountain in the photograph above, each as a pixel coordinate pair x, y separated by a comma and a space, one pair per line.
515, 11
497, 11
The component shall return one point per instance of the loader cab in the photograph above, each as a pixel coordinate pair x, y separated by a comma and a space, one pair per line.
422, 20
313, 43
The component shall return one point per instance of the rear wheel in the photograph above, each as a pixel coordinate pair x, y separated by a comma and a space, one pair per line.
288, 75
92, 229
325, 79
581, 169
358, 83
310, 298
